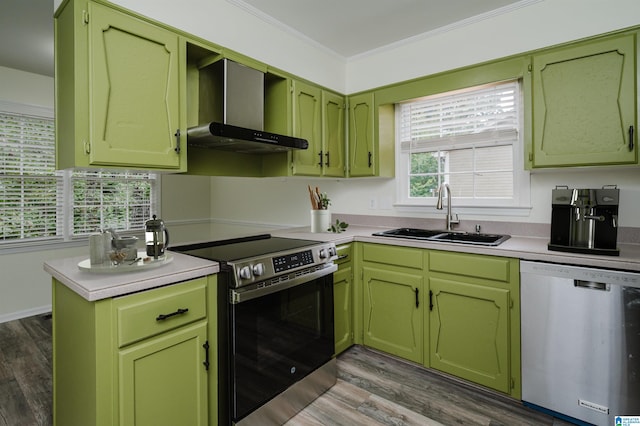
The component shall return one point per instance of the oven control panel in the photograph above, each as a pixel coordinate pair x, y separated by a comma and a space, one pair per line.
265, 267
292, 261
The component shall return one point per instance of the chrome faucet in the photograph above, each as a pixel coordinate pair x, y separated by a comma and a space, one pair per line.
450, 220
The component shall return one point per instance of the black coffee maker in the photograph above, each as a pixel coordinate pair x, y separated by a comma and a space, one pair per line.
585, 220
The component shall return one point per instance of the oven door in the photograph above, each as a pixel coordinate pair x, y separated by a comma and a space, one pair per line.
278, 339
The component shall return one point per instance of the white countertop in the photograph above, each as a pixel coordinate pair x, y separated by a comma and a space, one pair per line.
524, 248
95, 286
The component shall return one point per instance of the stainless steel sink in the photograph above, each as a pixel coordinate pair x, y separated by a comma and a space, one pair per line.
445, 236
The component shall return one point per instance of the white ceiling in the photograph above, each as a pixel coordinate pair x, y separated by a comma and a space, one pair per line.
354, 27
26, 35
345, 27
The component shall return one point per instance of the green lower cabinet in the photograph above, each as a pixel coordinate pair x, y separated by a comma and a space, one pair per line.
393, 312
474, 318
342, 309
137, 359
343, 300
162, 380
469, 335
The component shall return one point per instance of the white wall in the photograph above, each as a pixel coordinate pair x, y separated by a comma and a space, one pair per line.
24, 286
26, 88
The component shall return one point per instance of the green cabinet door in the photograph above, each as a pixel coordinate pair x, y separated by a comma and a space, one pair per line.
362, 153
584, 104
163, 380
469, 335
393, 312
134, 91
342, 309
307, 115
333, 135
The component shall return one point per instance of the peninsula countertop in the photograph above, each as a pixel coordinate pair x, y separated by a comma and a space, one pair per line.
94, 286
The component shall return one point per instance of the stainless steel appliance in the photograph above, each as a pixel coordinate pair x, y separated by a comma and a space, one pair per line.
585, 220
580, 341
231, 103
275, 319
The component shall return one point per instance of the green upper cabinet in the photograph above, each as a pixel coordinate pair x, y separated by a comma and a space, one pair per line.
333, 135
362, 153
119, 96
584, 104
318, 117
307, 116
371, 137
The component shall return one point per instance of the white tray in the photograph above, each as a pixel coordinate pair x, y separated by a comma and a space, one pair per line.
126, 266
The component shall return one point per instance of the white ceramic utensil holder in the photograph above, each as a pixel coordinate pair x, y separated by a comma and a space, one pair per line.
320, 220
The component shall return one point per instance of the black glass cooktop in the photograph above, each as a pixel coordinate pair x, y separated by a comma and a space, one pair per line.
242, 248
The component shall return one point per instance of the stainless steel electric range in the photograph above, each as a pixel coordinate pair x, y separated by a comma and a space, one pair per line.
275, 325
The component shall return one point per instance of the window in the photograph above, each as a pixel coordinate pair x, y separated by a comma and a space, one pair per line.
469, 139
39, 203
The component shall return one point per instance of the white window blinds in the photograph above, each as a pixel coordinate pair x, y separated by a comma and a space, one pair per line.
108, 199
460, 119
28, 183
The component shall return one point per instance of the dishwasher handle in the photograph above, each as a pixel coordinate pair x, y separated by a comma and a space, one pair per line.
591, 285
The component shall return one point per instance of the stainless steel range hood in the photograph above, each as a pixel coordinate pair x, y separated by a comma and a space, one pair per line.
231, 103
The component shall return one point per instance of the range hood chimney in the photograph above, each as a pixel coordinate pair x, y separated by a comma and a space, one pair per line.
231, 103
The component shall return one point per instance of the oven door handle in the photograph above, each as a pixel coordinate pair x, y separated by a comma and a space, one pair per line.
242, 295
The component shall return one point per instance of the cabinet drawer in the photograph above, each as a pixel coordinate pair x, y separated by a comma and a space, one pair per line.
153, 312
391, 255
471, 265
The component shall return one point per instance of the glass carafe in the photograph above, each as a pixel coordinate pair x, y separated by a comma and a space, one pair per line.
156, 237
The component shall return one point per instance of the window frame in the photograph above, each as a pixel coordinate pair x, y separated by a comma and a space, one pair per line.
519, 205
65, 238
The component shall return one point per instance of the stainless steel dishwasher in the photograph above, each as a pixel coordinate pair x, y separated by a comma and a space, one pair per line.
580, 341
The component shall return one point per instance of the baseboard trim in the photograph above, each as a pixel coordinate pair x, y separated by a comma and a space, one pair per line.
25, 313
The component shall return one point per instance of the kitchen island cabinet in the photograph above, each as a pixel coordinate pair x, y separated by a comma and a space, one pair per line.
584, 104
117, 363
134, 345
120, 98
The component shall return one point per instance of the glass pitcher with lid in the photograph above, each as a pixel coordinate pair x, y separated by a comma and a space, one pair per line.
156, 237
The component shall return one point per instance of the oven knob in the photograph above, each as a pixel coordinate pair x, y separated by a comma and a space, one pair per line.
328, 252
258, 269
245, 273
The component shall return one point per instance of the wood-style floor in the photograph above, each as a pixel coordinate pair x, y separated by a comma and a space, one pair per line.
372, 389
25, 372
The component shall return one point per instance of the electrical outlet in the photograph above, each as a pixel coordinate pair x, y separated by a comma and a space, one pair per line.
373, 204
